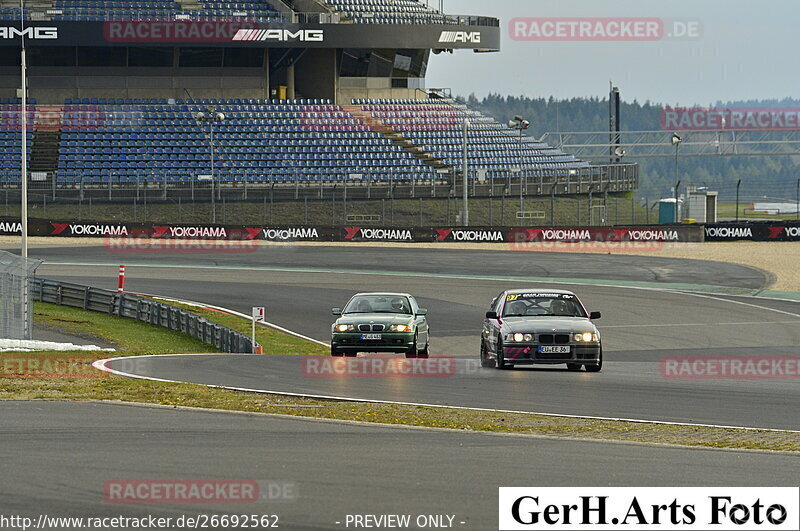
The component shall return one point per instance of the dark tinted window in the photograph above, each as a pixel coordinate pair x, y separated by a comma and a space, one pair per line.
51, 56
96, 56
150, 57
244, 57
410, 63
200, 57
355, 63
548, 304
9, 56
380, 63
367, 63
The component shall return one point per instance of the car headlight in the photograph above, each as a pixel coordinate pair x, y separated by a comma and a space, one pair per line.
586, 337
519, 338
345, 328
400, 328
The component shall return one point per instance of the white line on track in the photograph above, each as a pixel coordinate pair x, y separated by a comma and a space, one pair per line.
238, 314
101, 365
723, 299
683, 325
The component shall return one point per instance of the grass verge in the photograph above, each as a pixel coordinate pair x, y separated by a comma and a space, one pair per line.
95, 385
126, 335
274, 342
117, 388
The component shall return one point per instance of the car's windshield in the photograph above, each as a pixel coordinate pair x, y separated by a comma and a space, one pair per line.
378, 304
544, 304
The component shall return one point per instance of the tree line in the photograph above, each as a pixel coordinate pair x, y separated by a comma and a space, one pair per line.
772, 177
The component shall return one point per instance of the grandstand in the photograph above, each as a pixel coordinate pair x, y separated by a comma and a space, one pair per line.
309, 92
387, 11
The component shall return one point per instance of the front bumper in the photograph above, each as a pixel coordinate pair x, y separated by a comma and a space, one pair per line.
528, 354
389, 342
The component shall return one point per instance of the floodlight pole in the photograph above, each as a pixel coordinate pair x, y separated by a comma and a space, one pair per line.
738, 184
213, 180
521, 196
211, 116
520, 123
465, 217
24, 171
676, 140
24, 127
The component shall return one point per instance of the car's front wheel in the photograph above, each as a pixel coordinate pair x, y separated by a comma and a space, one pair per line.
425, 352
412, 350
500, 362
486, 363
335, 352
596, 367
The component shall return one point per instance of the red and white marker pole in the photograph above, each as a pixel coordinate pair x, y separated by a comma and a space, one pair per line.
121, 284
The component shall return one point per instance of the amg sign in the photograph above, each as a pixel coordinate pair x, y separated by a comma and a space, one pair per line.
280, 35
460, 36
34, 32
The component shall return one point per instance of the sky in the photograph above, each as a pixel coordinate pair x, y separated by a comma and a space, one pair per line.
747, 50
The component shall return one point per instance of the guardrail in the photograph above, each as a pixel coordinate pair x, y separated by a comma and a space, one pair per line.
142, 309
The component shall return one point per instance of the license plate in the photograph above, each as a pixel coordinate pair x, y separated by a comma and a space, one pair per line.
554, 350
371, 337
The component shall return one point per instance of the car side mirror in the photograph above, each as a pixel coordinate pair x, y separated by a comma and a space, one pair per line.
491, 315
595, 315
422, 311
336, 311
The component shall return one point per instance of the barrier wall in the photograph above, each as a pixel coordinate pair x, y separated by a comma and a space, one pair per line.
759, 232
657, 233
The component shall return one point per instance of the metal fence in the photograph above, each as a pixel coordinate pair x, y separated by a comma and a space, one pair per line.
549, 198
170, 184
16, 311
142, 309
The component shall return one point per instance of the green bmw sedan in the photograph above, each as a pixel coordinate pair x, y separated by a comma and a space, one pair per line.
380, 322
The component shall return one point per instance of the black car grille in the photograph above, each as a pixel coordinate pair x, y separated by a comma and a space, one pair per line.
371, 328
549, 339
551, 356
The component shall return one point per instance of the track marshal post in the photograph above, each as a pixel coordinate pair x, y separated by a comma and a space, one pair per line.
259, 314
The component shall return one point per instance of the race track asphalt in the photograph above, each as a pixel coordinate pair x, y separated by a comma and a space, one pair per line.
56, 458
640, 327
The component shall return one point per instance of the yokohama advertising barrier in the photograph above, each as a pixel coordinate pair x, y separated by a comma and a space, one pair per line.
121, 231
83, 229
760, 232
